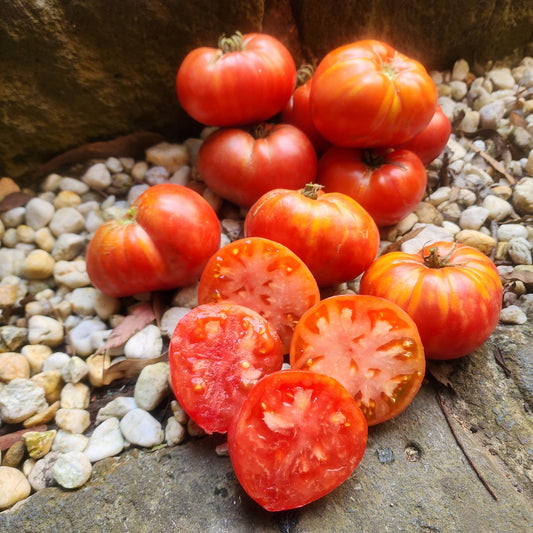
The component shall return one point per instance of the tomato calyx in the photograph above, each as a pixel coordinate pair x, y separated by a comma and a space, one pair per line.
311, 190
304, 74
227, 45
261, 131
434, 260
130, 215
375, 159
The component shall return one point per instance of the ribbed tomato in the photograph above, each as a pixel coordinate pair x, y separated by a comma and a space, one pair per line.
247, 79
389, 183
367, 94
333, 235
453, 293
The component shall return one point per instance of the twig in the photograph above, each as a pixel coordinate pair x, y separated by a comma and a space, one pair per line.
478, 473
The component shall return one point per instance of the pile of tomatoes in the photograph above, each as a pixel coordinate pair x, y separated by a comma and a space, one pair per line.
319, 168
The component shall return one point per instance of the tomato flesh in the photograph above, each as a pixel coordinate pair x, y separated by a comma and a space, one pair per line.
297, 436
265, 276
368, 344
217, 354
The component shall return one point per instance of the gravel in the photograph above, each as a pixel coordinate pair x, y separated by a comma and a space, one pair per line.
480, 192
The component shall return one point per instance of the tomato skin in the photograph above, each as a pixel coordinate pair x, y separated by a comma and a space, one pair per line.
297, 436
236, 85
241, 166
263, 275
217, 353
369, 344
334, 236
152, 249
456, 305
367, 94
297, 112
431, 141
388, 182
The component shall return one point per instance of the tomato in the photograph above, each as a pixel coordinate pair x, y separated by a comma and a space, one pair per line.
248, 79
334, 236
217, 354
152, 249
297, 436
367, 94
453, 292
431, 141
389, 183
298, 110
265, 276
241, 166
368, 344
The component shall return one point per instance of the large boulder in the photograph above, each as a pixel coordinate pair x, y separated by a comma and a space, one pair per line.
77, 72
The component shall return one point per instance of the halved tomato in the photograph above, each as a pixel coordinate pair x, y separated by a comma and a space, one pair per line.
265, 276
297, 436
368, 344
217, 354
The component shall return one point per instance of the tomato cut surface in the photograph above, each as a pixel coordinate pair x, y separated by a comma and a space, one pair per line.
217, 354
265, 276
297, 436
368, 344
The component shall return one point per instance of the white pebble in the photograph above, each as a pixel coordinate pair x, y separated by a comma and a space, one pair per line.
460, 70
506, 232
56, 361
72, 274
105, 306
473, 217
83, 300
501, 78
73, 420
20, 399
66, 220
519, 251
69, 442
68, 246
175, 433
11, 262
498, 208
45, 330
73, 185
116, 408
80, 335
106, 440
140, 428
152, 386
429, 234
522, 196
170, 156
39, 213
97, 177
513, 315
72, 470
38, 265
15, 486
171, 317
114, 165
41, 476
75, 370
145, 344
491, 114
13, 217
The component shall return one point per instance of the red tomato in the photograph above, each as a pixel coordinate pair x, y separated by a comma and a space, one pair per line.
265, 276
453, 292
217, 354
152, 249
297, 436
334, 236
389, 183
298, 111
241, 166
368, 344
432, 140
248, 79
367, 94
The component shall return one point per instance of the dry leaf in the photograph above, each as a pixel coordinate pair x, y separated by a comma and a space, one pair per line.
441, 371
14, 199
128, 368
7, 186
138, 318
525, 276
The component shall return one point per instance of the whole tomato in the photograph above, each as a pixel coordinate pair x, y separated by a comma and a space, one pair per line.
332, 234
241, 165
298, 110
248, 79
452, 292
367, 94
164, 242
431, 141
389, 183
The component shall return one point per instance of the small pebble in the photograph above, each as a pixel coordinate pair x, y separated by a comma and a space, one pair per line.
41, 475
20, 399
75, 370
175, 433
73, 420
170, 156
51, 382
75, 396
72, 274
39, 213
106, 441
39, 443
15, 486
97, 177
39, 264
45, 330
67, 442
513, 315
13, 365
523, 196
152, 386
72, 470
66, 220
116, 408
145, 344
140, 428
477, 239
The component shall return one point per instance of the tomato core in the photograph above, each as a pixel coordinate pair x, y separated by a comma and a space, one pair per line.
311, 190
227, 45
434, 260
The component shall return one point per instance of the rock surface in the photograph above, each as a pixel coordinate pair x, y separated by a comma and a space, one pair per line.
413, 477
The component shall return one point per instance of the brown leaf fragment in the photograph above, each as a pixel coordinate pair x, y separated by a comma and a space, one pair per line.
7, 186
525, 276
441, 372
14, 199
138, 318
397, 245
517, 119
129, 368
498, 356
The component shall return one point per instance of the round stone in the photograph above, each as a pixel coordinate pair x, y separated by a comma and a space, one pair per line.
15, 486
72, 470
38, 265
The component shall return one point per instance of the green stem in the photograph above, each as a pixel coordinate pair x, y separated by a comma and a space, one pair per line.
311, 190
231, 44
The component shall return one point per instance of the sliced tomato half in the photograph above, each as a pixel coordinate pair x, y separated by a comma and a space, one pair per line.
297, 436
265, 276
217, 354
369, 344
